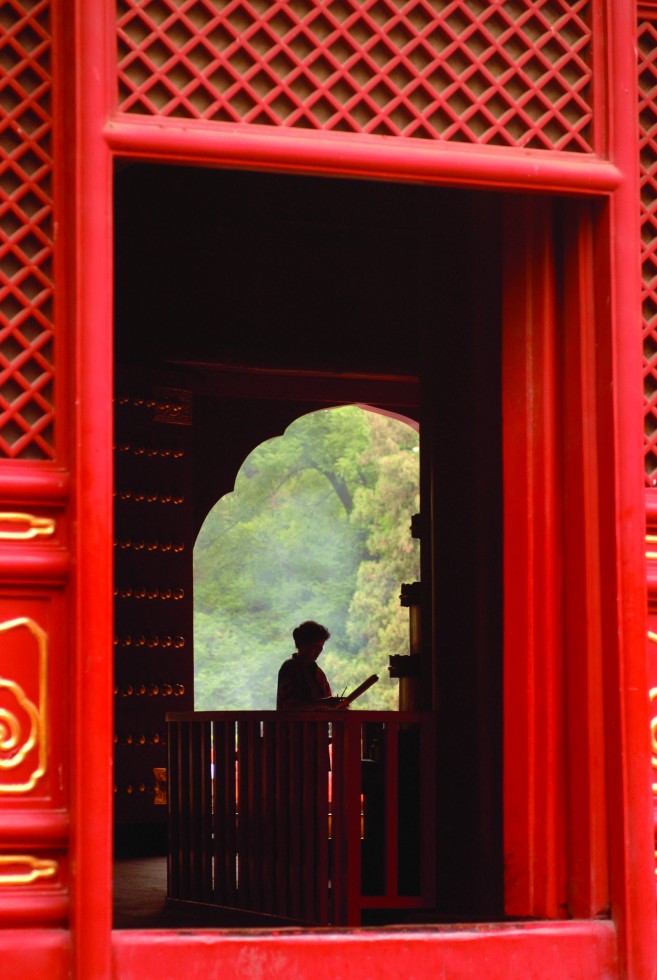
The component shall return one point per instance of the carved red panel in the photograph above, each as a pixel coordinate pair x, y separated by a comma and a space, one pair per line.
26, 366
648, 164
512, 73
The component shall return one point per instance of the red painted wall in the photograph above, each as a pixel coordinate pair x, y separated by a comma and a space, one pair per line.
578, 807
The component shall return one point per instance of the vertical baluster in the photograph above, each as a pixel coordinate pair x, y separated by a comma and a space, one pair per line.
411, 858
230, 763
243, 814
283, 818
256, 820
338, 869
224, 815
309, 822
321, 811
269, 816
391, 797
295, 837
373, 848
214, 803
352, 810
194, 796
219, 813
205, 766
428, 809
183, 805
173, 796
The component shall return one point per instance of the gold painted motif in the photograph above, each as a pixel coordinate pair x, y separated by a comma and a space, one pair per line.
653, 736
16, 743
160, 776
35, 526
34, 869
652, 694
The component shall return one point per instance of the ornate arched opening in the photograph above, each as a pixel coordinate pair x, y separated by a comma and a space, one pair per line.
318, 526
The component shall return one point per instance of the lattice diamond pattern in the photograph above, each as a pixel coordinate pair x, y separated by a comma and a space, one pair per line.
26, 366
648, 158
505, 72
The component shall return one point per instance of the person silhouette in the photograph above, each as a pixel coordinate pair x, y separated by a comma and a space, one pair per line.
302, 684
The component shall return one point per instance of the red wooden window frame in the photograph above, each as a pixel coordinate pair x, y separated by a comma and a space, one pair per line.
600, 473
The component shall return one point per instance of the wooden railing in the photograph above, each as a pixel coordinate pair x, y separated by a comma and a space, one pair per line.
302, 817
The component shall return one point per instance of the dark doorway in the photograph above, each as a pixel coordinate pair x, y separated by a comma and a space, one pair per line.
242, 301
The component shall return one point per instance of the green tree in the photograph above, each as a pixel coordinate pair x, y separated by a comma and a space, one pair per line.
377, 624
310, 531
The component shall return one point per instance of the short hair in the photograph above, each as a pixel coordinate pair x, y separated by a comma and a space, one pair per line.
309, 631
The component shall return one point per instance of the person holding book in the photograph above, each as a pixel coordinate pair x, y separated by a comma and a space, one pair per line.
302, 684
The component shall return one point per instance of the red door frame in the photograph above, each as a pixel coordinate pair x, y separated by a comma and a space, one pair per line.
607, 454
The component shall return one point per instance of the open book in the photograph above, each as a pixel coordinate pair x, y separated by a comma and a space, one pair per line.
365, 686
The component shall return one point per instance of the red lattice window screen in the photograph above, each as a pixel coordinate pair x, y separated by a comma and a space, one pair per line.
512, 73
648, 168
26, 365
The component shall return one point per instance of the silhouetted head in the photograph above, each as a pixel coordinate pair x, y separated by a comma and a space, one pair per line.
310, 638
309, 631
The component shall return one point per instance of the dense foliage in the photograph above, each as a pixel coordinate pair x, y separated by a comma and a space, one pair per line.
316, 528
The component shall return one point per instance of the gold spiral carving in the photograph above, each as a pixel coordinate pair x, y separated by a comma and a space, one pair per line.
17, 739
35, 868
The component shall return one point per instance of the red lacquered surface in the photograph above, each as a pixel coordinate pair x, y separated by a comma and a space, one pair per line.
582, 431
579, 950
90, 279
534, 865
37, 953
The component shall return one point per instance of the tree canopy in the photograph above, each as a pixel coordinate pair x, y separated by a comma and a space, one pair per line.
317, 527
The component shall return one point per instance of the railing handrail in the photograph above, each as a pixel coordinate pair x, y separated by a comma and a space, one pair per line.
340, 717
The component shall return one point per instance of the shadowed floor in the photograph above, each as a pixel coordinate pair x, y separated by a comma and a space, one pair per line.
140, 888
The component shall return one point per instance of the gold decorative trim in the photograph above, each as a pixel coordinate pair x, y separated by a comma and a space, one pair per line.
10, 726
652, 694
160, 777
35, 526
36, 868
652, 636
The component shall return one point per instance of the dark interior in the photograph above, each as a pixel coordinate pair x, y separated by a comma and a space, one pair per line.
266, 270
